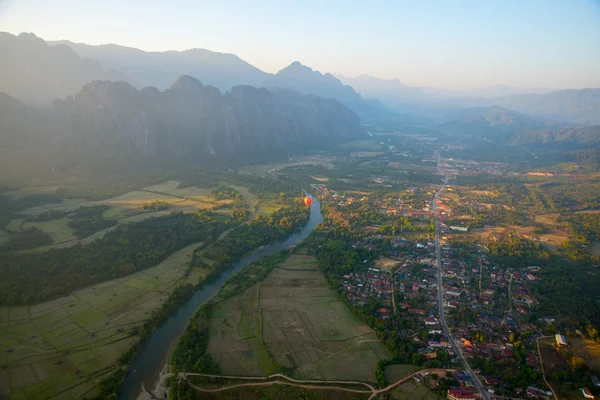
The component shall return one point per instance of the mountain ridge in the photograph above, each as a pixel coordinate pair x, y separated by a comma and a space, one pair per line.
190, 118
36, 73
161, 68
305, 80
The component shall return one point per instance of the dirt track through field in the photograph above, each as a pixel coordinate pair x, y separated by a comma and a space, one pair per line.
305, 384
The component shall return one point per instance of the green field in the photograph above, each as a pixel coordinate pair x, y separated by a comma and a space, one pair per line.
125, 209
58, 229
63, 346
302, 323
64, 205
396, 372
172, 188
4, 236
362, 145
261, 169
411, 390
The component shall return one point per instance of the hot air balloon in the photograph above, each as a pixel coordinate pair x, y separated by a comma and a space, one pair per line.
307, 201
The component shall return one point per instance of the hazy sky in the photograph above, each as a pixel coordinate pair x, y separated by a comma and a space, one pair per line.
447, 43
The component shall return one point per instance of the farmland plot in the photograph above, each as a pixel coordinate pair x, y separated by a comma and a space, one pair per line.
292, 319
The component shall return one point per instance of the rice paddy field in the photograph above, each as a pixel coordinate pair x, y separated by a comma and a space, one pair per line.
411, 390
261, 169
4, 236
396, 372
124, 209
293, 320
58, 349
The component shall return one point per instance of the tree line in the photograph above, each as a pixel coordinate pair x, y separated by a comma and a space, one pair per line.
37, 277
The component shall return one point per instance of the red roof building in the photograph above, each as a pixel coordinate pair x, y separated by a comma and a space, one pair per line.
467, 393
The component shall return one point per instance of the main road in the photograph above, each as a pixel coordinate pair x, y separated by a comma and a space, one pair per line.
474, 379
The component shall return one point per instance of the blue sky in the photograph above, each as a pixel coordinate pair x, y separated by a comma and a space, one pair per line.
451, 43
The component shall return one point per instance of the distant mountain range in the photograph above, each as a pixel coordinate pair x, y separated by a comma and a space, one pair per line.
160, 69
305, 80
36, 73
488, 92
580, 106
391, 92
510, 127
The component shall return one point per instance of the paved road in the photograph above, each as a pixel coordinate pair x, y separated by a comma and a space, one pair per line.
474, 379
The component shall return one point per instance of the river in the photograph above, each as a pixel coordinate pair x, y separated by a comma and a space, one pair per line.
150, 359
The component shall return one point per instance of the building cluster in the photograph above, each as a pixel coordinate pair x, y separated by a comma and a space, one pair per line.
372, 285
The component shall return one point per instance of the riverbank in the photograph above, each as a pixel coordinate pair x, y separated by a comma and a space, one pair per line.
149, 362
159, 390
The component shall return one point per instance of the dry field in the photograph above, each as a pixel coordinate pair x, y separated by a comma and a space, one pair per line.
302, 323
388, 263
588, 350
59, 348
486, 232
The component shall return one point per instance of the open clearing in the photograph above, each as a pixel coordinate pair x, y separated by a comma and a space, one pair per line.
388, 263
486, 231
303, 324
58, 229
172, 188
261, 169
63, 345
552, 238
560, 360
588, 350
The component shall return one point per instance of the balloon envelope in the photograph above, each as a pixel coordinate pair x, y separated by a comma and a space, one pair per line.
307, 200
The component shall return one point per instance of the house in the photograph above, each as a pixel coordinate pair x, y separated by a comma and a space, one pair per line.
587, 394
536, 393
465, 393
491, 381
560, 340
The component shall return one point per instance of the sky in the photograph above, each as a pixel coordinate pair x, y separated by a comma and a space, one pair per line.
444, 44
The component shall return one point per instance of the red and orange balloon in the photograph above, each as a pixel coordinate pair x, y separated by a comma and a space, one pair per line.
307, 201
